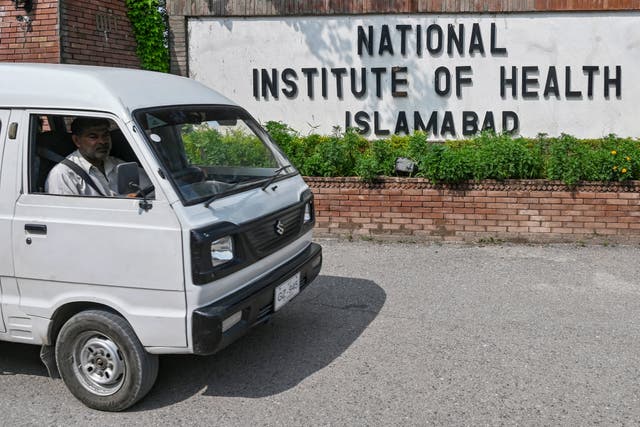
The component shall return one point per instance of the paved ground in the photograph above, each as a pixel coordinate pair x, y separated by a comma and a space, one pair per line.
403, 334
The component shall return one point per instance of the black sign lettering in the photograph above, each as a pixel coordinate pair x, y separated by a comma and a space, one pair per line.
448, 127
385, 41
455, 39
489, 123
376, 125
469, 123
476, 45
551, 85
616, 81
339, 73
365, 40
495, 50
440, 88
289, 78
434, 39
379, 71
403, 37
462, 79
511, 81
401, 124
398, 79
530, 83
310, 73
590, 71
510, 122
359, 93
568, 93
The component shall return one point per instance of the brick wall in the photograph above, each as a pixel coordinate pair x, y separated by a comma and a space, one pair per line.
37, 41
515, 210
97, 33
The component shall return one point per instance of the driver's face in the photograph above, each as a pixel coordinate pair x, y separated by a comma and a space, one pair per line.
94, 143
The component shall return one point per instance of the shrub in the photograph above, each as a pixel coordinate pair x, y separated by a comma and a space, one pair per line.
333, 156
486, 156
447, 162
607, 159
234, 148
378, 159
502, 157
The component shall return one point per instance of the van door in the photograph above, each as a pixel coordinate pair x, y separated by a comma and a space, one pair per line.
103, 249
6, 213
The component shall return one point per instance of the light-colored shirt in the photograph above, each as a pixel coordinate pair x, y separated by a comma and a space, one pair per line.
64, 180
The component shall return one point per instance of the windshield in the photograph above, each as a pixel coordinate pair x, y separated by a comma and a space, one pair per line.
211, 151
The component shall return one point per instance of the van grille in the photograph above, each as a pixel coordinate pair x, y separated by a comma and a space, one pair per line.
264, 237
253, 240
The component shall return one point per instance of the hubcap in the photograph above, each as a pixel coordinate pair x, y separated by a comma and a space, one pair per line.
98, 363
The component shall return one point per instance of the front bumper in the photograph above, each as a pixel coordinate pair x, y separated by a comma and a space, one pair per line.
255, 301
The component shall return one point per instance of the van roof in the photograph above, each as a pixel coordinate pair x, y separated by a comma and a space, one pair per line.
117, 90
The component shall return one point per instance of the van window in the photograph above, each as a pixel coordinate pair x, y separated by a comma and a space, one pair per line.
95, 146
209, 151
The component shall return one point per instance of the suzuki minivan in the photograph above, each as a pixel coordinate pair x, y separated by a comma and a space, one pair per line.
206, 233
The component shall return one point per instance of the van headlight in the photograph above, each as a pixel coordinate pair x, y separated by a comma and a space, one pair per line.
216, 251
308, 212
221, 251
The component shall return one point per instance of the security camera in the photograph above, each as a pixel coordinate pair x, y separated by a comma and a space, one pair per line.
26, 19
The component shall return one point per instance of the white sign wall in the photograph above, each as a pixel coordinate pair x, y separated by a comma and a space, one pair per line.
449, 75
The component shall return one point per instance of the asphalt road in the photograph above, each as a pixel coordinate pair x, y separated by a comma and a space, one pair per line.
402, 334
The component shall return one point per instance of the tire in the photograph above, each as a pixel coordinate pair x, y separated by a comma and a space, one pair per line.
102, 362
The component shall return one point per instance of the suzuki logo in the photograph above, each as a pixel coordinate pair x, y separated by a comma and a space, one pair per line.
279, 228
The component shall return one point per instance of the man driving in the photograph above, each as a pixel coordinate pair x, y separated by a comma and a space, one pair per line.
93, 170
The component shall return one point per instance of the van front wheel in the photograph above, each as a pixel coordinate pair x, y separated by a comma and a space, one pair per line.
102, 362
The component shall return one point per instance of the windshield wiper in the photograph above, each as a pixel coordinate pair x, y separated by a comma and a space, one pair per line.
222, 194
235, 184
274, 176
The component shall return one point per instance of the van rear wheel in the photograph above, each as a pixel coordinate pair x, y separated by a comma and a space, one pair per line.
102, 362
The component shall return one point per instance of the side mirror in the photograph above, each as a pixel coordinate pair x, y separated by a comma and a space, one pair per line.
128, 178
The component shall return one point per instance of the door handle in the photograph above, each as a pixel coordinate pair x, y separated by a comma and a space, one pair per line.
36, 228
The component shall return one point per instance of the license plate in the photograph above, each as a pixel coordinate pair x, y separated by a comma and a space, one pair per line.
286, 291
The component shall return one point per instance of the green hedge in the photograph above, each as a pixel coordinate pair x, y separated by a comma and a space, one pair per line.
487, 156
206, 146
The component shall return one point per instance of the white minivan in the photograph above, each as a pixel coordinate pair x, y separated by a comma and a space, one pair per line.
193, 227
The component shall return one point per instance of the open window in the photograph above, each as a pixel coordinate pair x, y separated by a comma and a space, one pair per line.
51, 141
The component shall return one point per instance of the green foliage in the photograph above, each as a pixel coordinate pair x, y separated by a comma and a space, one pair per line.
378, 159
333, 156
486, 156
502, 157
608, 159
567, 160
206, 146
148, 19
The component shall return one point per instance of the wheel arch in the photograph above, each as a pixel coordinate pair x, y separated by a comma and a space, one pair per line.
67, 311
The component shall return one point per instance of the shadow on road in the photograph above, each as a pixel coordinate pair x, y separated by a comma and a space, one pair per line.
20, 359
306, 336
